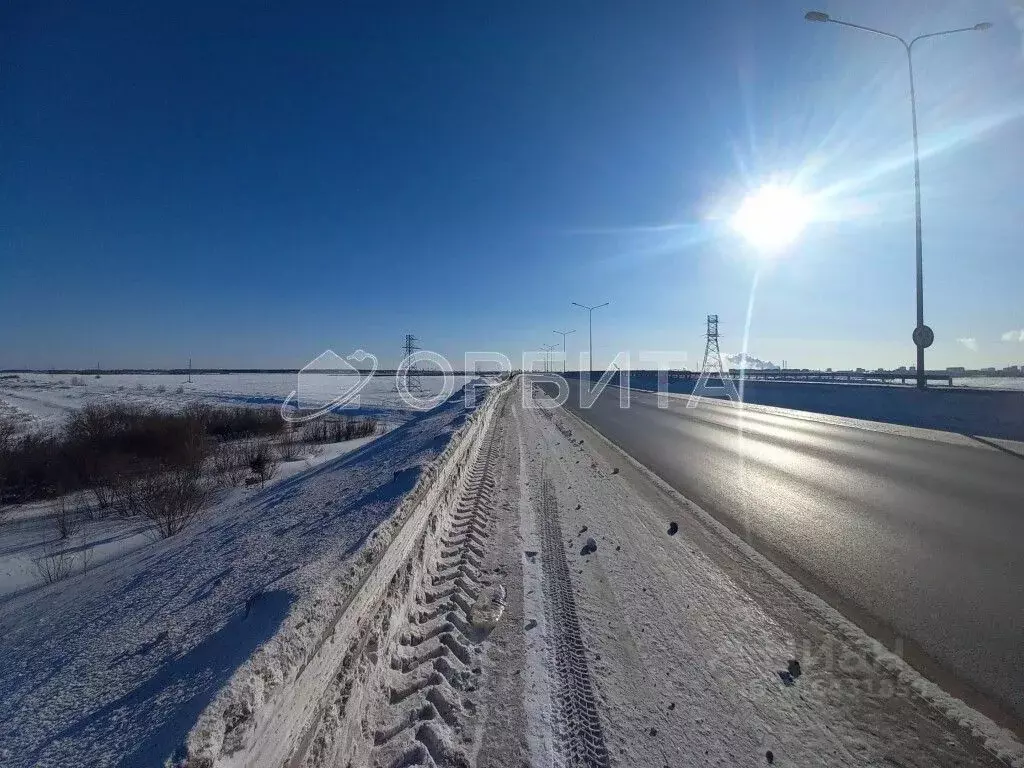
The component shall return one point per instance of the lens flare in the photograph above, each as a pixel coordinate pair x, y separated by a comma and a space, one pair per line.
772, 217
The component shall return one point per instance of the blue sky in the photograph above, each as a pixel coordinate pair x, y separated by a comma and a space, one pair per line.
249, 184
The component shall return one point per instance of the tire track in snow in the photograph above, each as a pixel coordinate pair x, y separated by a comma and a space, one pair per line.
424, 720
578, 723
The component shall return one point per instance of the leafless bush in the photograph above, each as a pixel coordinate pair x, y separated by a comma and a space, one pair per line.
338, 428
102, 449
65, 517
122, 495
171, 499
104, 497
230, 463
289, 448
8, 428
54, 565
260, 459
234, 423
77, 381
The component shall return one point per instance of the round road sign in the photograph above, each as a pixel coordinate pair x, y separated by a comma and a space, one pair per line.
923, 336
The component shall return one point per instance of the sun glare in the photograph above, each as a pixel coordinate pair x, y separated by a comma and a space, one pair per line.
772, 217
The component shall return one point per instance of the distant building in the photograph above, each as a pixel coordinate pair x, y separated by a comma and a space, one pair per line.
902, 369
956, 370
990, 369
861, 370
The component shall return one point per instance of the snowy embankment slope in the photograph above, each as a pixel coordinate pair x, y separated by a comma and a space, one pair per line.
114, 666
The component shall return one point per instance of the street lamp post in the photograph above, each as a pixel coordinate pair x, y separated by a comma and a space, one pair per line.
923, 335
547, 355
590, 321
563, 334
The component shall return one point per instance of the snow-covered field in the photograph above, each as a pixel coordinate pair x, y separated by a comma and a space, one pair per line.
40, 400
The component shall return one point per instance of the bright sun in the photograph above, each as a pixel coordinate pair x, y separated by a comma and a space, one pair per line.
772, 217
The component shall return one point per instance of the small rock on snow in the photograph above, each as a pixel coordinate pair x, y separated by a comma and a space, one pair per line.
769, 757
673, 529
590, 547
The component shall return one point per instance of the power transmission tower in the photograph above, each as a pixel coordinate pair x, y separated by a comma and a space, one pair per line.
412, 374
713, 363
711, 347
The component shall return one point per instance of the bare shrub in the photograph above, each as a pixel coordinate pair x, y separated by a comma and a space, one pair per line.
289, 448
230, 463
235, 423
179, 390
339, 428
261, 460
65, 518
171, 499
124, 495
77, 381
104, 497
8, 428
102, 449
54, 565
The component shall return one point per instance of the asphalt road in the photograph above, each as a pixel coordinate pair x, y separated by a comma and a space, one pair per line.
913, 536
